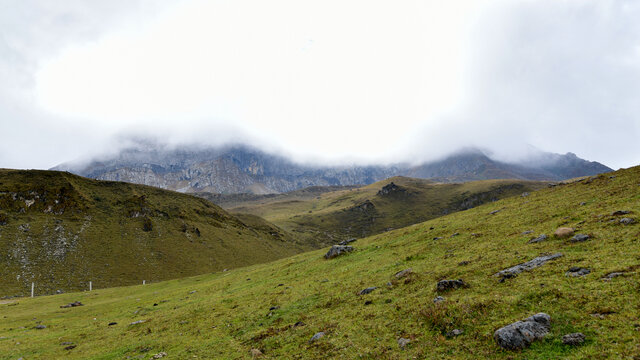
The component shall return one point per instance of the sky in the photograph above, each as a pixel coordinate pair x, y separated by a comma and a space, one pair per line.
322, 81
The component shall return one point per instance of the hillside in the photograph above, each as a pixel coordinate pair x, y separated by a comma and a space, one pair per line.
276, 308
325, 218
243, 169
61, 231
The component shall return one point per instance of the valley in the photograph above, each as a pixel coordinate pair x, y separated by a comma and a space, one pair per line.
306, 306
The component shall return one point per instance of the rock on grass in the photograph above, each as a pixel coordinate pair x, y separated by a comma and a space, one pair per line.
521, 334
573, 339
444, 285
337, 250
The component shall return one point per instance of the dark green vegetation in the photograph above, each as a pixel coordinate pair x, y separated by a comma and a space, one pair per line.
61, 231
226, 314
328, 217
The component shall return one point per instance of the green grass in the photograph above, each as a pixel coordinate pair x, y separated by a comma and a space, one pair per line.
62, 231
228, 314
333, 216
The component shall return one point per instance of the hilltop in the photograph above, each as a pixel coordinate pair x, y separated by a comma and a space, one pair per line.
60, 231
325, 217
243, 169
276, 308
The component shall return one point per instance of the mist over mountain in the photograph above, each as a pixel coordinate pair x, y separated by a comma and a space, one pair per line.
245, 169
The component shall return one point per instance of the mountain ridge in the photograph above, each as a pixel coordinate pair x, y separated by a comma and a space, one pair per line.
243, 169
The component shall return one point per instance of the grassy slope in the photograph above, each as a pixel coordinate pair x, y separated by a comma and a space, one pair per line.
79, 229
336, 215
229, 312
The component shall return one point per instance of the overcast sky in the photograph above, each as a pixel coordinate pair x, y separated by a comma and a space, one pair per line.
321, 80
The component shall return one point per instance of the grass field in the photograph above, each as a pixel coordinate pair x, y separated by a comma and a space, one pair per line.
227, 314
337, 215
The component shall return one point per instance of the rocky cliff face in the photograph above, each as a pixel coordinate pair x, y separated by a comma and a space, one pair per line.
240, 169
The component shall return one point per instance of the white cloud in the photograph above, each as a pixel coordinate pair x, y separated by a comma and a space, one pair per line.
322, 80
328, 77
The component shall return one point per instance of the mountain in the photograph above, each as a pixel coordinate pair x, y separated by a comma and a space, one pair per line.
272, 310
61, 231
241, 169
331, 216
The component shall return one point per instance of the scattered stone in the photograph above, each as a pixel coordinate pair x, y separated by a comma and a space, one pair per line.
402, 342
620, 212
159, 355
256, 353
437, 238
627, 221
444, 285
137, 322
463, 263
298, 324
274, 308
612, 275
403, 273
367, 290
438, 299
540, 238
40, 326
70, 347
507, 276
529, 265
455, 234
575, 271
573, 339
347, 242
193, 291
564, 232
580, 238
583, 203
454, 333
316, 337
73, 304
66, 343
113, 323
368, 302
337, 250
58, 292
524, 194
495, 212
521, 334
527, 232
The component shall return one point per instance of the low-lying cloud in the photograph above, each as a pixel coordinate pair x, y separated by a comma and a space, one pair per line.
363, 81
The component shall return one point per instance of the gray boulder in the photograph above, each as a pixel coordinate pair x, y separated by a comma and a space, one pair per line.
402, 342
579, 238
316, 337
529, 265
444, 285
367, 290
347, 242
337, 250
403, 273
573, 339
575, 271
521, 334
540, 238
627, 221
